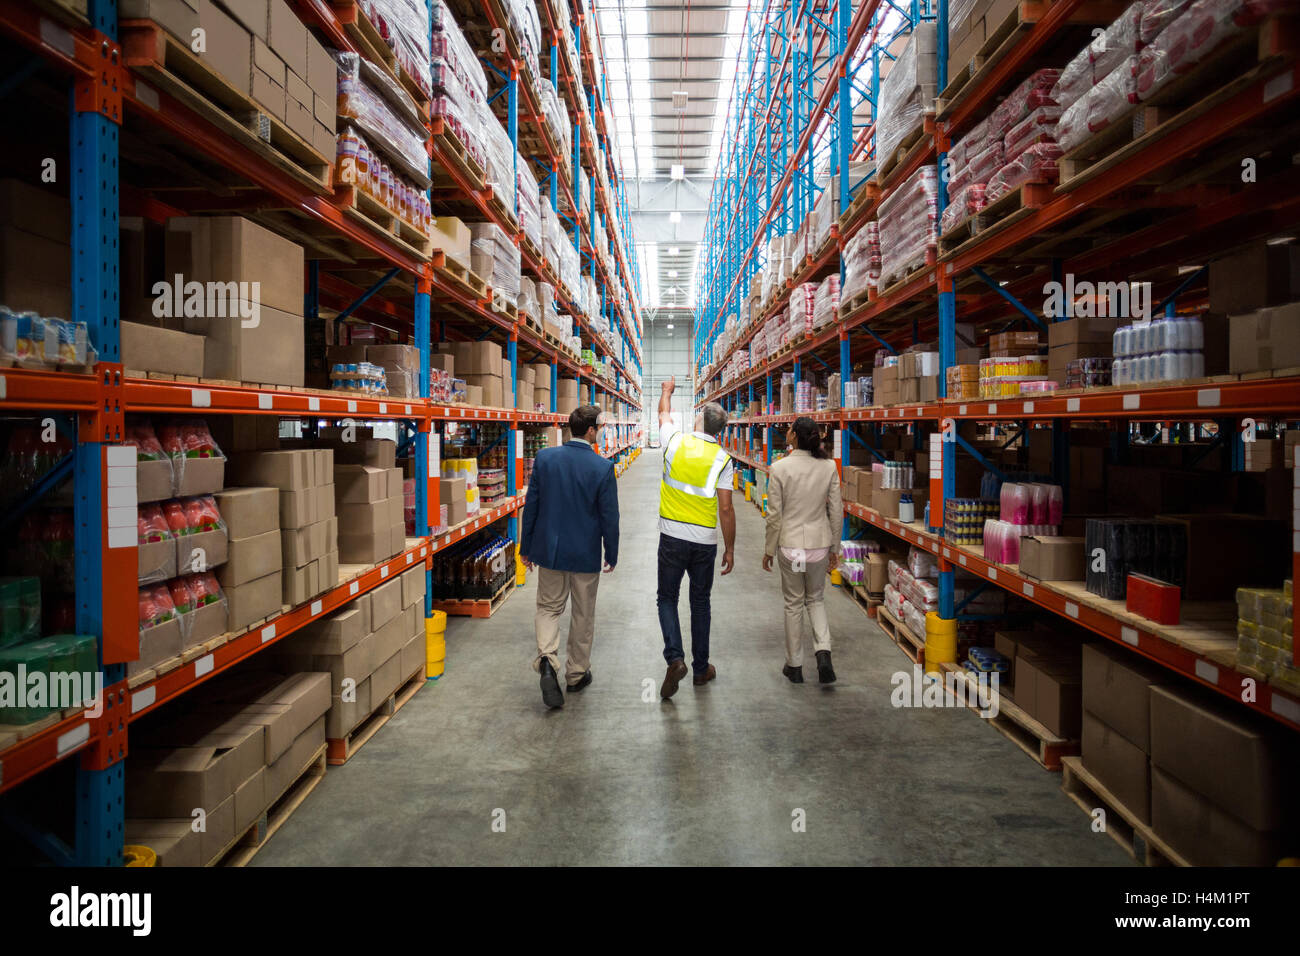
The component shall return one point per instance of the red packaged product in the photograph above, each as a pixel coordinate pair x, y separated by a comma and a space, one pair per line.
174, 511
1037, 164
1038, 127
201, 514
156, 605
965, 203
1033, 92
205, 588
182, 596
146, 443
151, 526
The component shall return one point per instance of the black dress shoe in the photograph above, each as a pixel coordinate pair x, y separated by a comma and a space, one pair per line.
825, 673
794, 673
583, 681
551, 695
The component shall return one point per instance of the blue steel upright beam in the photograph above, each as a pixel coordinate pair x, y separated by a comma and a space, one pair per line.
947, 341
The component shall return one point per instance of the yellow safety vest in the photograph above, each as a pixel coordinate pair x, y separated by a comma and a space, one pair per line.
687, 491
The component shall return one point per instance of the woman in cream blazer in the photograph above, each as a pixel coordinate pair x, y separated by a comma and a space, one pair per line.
803, 533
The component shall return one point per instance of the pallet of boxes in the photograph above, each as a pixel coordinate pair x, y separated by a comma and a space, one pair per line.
371, 508
481, 366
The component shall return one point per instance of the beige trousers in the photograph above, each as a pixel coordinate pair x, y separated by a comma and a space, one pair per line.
803, 592
554, 588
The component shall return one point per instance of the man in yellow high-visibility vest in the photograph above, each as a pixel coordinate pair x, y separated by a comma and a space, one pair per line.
694, 499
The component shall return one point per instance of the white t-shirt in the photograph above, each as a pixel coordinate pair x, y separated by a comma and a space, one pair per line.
681, 529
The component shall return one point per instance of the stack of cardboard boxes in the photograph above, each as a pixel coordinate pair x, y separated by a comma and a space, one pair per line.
369, 648
481, 366
401, 364
372, 522
35, 255
251, 577
452, 238
566, 395
541, 386
1046, 677
970, 24
308, 551
918, 377
1259, 289
884, 385
239, 746
1073, 339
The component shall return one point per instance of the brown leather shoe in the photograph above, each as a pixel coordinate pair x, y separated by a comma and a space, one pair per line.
676, 671
707, 676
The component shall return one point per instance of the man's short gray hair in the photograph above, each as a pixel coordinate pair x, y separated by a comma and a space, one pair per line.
714, 418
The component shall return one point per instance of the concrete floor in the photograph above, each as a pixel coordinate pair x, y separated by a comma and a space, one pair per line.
716, 776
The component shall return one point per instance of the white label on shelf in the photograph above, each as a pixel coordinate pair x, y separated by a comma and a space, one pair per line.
1207, 672
993, 573
4, 388
354, 587
121, 497
122, 456
1285, 707
313, 403
316, 608
435, 455
204, 665
1029, 408
71, 739
146, 94
1132, 400
352, 404
947, 554
519, 443
143, 699
1208, 398
383, 408
993, 409
408, 409
835, 444
1072, 609
1028, 589
961, 409
200, 398
409, 557
268, 633
424, 552
383, 572
918, 411
123, 538
1277, 86
265, 401
1129, 635
961, 559
1072, 405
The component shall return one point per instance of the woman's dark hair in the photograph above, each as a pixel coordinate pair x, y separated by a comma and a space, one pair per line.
808, 437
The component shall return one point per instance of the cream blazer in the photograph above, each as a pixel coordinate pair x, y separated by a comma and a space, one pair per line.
804, 506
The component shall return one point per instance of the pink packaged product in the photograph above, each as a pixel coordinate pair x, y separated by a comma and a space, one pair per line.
1015, 503
1099, 107
1121, 41
977, 168
1037, 504
965, 203
1037, 164
1158, 14
908, 223
1038, 127
1188, 40
1033, 92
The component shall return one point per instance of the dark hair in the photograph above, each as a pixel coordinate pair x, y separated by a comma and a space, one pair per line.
808, 437
582, 420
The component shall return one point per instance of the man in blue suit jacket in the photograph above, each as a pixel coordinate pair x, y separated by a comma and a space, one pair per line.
571, 508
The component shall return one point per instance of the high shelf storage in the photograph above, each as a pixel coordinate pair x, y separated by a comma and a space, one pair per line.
126, 86
1176, 182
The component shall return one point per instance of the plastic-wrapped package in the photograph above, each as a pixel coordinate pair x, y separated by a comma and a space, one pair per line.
528, 302
1034, 91
908, 223
1186, 41
826, 302
495, 258
500, 169
922, 564
155, 605
1015, 503
31, 340
450, 46
383, 111
530, 208
404, 26
1075, 79
184, 440
152, 528
1038, 127
1121, 41
357, 164
977, 167
967, 202
1158, 14
802, 298
1037, 164
907, 90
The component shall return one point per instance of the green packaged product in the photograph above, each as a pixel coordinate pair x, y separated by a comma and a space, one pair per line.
20, 610
18, 702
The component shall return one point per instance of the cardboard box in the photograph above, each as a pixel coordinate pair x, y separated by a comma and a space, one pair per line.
322, 74
219, 832
385, 604
1264, 340
1120, 765
474, 395
201, 552
298, 508
329, 569
203, 624
413, 656
156, 561
1052, 559
253, 600
369, 548
251, 15
1117, 690
1093, 331
386, 679
153, 480
1057, 693
198, 476
298, 546
177, 17
360, 484
389, 639
445, 361
287, 36
335, 634
1258, 276
453, 237
451, 492
268, 94
148, 348
250, 559
229, 48
250, 800
34, 272
877, 572
301, 584
343, 716
1203, 833
287, 470
157, 644
173, 782
1226, 551
281, 774
1238, 764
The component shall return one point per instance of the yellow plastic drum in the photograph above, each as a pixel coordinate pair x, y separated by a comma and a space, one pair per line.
436, 622
139, 856
433, 669
836, 580
940, 642
521, 573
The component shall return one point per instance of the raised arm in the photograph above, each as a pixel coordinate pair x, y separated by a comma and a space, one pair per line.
666, 400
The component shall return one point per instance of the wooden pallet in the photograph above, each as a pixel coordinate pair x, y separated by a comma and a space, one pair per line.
915, 141
248, 843
500, 304
1003, 212
1046, 749
451, 150
869, 603
856, 301
1137, 838
375, 48
477, 607
366, 209
891, 283
1001, 41
868, 192
898, 632
155, 55
341, 750
1239, 63
456, 274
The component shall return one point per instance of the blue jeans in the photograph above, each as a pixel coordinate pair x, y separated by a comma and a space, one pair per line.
678, 557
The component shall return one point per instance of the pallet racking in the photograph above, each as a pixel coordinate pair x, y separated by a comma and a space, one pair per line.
808, 82
116, 86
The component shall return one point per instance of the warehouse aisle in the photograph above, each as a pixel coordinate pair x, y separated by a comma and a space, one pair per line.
716, 776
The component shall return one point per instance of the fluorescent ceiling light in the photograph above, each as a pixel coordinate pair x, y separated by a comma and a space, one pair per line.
672, 273
678, 171
674, 216
670, 325
673, 250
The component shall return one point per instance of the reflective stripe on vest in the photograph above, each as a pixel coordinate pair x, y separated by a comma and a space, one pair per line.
692, 467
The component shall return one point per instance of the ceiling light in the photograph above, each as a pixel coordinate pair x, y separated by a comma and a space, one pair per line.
674, 216
670, 325
678, 171
679, 101
672, 273
673, 250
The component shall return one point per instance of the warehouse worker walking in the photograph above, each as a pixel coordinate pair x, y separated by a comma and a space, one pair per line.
571, 508
694, 497
803, 521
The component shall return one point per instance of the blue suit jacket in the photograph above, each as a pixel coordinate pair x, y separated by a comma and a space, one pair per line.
572, 506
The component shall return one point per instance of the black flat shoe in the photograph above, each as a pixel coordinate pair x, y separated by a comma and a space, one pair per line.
825, 673
551, 695
583, 681
794, 673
